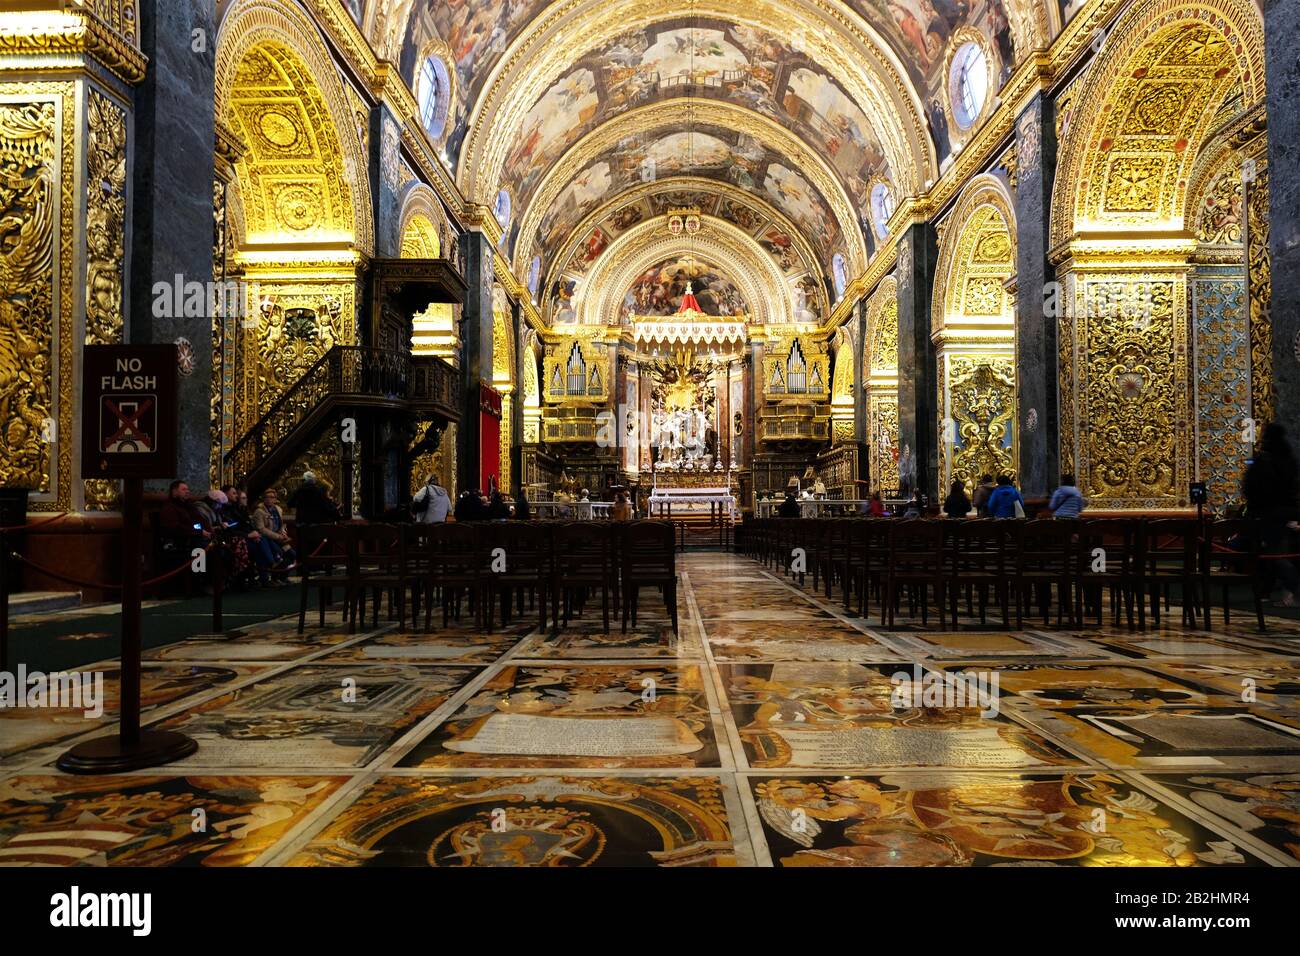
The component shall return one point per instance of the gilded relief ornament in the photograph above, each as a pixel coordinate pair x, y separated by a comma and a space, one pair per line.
982, 404
27, 209
105, 219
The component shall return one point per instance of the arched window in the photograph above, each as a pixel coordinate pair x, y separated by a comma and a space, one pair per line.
431, 89
839, 275
882, 208
534, 276
968, 84
501, 209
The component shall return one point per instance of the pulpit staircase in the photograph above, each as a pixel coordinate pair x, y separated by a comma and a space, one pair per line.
349, 381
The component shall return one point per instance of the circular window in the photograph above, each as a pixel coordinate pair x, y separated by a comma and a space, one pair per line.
501, 209
882, 208
969, 84
431, 95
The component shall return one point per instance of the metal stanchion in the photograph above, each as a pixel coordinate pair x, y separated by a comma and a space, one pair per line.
132, 748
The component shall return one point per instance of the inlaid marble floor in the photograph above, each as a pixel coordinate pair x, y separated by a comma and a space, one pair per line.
775, 730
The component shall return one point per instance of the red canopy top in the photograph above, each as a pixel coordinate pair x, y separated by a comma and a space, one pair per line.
689, 302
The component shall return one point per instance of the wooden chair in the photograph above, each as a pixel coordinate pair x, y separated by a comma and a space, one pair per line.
526, 558
649, 559
916, 561
1108, 557
582, 564
1045, 557
381, 566
866, 561
1229, 556
981, 564
1169, 558
325, 562
456, 567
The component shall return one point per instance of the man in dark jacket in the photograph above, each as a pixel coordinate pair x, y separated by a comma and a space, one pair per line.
310, 503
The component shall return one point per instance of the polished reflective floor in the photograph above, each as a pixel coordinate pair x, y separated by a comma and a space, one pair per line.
773, 731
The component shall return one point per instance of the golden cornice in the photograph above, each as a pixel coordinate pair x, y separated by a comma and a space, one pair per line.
668, 114
42, 40
534, 62
517, 291
1247, 126
807, 256
1125, 251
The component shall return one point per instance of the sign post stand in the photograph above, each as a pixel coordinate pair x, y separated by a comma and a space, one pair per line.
129, 432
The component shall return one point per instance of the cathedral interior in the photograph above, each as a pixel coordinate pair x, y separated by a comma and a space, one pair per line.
774, 278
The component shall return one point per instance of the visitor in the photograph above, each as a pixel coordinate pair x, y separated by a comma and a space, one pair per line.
876, 506
431, 503
275, 552
234, 532
1005, 501
981, 498
915, 506
523, 511
790, 507
497, 509
622, 511
180, 527
470, 507
310, 504
1067, 501
957, 505
1270, 488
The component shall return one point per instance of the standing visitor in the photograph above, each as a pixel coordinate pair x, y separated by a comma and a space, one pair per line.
622, 511
1067, 501
310, 503
876, 507
957, 505
1270, 488
1005, 501
431, 503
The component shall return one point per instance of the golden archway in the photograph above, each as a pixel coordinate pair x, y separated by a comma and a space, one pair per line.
1126, 251
973, 327
880, 378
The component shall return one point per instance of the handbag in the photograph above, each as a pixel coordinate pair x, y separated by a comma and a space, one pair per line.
1020, 509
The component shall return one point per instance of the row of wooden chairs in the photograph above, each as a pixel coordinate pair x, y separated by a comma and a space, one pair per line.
556, 564
1135, 562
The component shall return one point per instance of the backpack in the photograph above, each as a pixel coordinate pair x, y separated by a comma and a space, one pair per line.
418, 509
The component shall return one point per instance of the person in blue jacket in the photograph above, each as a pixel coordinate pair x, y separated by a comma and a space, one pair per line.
1003, 500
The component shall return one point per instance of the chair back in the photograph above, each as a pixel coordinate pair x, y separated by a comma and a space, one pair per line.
649, 552
325, 547
1045, 547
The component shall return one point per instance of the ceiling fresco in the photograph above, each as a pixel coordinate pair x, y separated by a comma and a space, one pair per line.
794, 78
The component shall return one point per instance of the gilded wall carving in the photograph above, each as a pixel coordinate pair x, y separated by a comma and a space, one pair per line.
1133, 398
1259, 271
1220, 318
882, 440
29, 148
981, 405
105, 219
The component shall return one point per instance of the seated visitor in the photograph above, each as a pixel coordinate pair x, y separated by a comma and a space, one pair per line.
981, 498
876, 506
523, 511
915, 506
957, 505
470, 507
622, 510
790, 507
274, 551
1005, 500
1067, 501
497, 509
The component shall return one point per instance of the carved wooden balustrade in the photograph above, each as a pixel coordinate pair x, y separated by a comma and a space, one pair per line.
346, 378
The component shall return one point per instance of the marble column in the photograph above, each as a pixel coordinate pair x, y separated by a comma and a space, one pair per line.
918, 422
1282, 61
1036, 323
476, 351
172, 218
386, 182
859, 320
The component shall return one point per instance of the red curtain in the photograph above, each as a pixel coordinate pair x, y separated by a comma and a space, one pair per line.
489, 419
